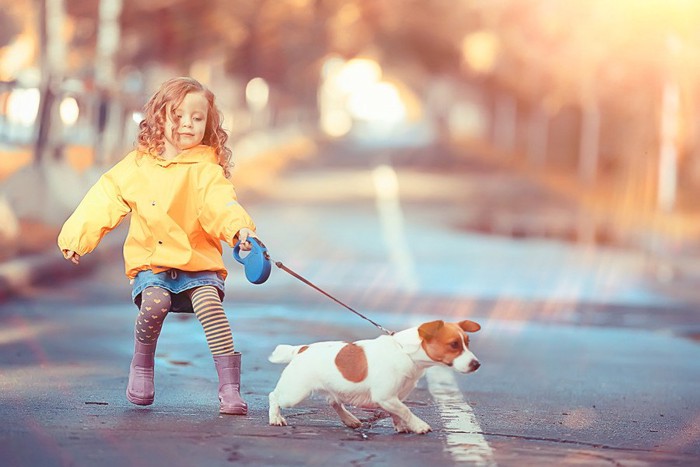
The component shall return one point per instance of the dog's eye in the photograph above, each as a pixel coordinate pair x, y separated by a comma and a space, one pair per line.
454, 345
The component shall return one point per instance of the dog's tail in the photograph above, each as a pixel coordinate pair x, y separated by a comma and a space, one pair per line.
284, 353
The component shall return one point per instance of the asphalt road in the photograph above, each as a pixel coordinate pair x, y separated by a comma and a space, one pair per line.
585, 360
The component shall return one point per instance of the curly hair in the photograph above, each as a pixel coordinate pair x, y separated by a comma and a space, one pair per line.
151, 138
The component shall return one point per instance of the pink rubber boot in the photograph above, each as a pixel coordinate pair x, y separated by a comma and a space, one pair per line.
229, 369
140, 390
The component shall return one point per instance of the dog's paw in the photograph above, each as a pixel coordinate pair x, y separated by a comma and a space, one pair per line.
349, 420
352, 423
278, 421
419, 426
399, 425
401, 428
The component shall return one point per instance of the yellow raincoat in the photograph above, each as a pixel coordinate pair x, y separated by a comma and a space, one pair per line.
181, 209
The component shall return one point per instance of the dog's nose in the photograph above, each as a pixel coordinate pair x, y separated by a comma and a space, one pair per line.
474, 365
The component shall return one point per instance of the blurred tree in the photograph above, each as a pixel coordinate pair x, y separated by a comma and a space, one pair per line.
608, 59
83, 18
9, 27
281, 41
428, 34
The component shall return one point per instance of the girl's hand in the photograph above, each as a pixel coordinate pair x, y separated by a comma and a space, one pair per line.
72, 256
243, 235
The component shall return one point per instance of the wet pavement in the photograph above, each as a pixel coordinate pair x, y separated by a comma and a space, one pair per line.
587, 358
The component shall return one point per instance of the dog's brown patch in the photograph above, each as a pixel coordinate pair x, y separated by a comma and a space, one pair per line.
302, 349
352, 363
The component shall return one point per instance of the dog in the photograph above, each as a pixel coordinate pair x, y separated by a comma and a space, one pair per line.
371, 373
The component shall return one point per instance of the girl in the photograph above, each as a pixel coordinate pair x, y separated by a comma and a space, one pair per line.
182, 205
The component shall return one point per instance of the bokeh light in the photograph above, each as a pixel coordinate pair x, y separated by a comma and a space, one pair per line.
69, 110
23, 106
379, 102
257, 93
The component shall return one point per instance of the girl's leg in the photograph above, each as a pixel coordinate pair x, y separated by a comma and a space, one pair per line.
210, 313
155, 304
209, 310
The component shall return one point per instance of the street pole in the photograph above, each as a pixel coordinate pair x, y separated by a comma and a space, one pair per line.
590, 141
668, 152
52, 58
670, 114
109, 124
505, 123
538, 136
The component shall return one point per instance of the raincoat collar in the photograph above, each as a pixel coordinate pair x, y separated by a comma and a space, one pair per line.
201, 153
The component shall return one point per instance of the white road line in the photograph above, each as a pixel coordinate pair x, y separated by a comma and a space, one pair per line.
393, 226
464, 439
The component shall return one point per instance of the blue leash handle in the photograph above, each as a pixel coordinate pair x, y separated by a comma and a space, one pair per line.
256, 263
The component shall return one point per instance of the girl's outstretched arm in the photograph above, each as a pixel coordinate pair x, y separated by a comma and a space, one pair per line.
100, 211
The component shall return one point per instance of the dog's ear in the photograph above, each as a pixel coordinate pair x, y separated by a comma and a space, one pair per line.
427, 330
469, 326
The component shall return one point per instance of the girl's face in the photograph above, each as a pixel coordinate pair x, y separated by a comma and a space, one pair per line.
189, 126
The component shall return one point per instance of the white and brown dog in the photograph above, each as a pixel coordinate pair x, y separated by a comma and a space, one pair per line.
371, 373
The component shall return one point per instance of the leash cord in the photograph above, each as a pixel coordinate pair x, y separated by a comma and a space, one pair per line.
310, 284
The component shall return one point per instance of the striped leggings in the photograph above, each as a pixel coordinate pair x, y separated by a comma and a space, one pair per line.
155, 305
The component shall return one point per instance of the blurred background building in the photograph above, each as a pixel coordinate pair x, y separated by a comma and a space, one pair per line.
595, 91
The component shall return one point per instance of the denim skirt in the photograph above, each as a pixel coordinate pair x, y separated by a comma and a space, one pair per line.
177, 283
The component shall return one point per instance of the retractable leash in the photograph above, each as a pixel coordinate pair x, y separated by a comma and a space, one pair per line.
257, 265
